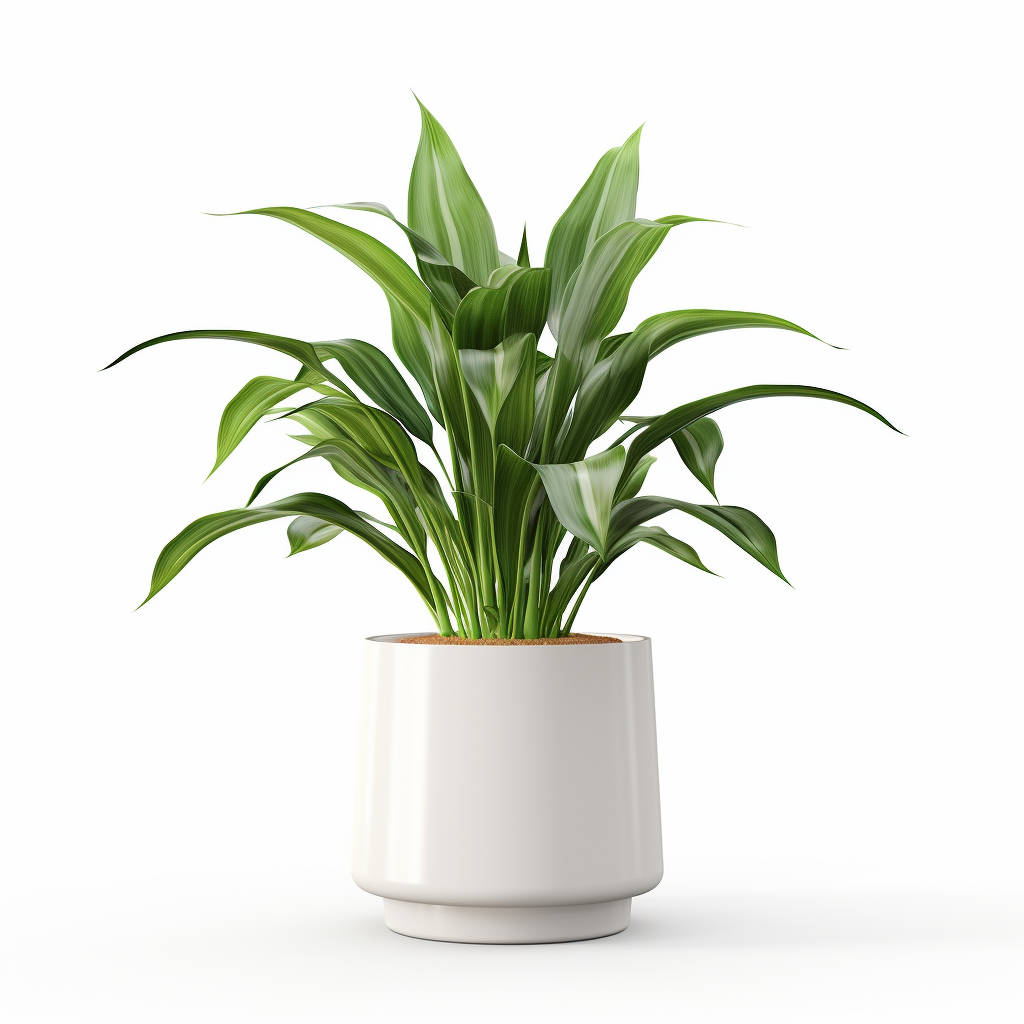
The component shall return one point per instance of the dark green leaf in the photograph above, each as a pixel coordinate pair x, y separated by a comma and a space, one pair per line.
661, 428
196, 536
699, 446
740, 525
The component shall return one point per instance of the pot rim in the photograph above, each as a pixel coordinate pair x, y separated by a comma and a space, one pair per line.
393, 638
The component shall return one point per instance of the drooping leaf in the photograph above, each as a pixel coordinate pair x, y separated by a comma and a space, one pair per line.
409, 299
582, 494
300, 350
446, 282
663, 541
515, 487
740, 525
372, 371
516, 304
661, 428
699, 446
245, 410
663, 330
307, 532
445, 207
197, 535
607, 198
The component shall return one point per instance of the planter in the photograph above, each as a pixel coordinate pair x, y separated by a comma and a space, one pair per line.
507, 793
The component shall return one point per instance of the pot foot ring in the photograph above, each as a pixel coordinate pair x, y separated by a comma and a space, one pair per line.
506, 924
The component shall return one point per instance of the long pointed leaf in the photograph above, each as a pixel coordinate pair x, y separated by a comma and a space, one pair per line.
245, 410
445, 207
300, 350
740, 525
446, 282
606, 199
661, 428
372, 371
197, 535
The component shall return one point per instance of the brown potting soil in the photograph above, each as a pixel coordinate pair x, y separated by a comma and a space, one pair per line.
572, 638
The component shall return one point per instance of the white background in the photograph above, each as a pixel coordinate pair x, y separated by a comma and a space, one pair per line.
841, 762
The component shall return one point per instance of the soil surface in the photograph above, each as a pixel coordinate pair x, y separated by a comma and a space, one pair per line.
572, 638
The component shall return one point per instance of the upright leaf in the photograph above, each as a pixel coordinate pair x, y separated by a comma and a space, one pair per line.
502, 382
445, 207
607, 198
516, 304
594, 299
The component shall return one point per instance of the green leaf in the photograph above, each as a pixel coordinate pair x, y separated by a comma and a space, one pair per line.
661, 428
373, 257
740, 525
300, 350
516, 485
447, 283
582, 493
372, 372
516, 304
607, 198
502, 381
196, 536
594, 300
663, 541
245, 410
523, 258
409, 299
631, 484
307, 532
445, 207
699, 446
664, 330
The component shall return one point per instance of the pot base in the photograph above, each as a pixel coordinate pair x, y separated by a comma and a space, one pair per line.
506, 925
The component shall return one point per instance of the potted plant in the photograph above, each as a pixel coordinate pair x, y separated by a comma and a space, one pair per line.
509, 784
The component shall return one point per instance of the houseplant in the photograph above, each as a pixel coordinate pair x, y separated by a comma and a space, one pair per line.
509, 788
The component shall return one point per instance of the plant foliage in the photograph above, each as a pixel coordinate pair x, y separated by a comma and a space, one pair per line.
523, 502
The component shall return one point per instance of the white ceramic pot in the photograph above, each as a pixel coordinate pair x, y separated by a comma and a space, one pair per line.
507, 793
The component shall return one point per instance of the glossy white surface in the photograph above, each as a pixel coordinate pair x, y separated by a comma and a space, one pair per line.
507, 925
508, 776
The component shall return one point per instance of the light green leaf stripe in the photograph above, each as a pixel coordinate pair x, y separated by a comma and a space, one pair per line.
445, 207
197, 535
699, 446
607, 199
582, 493
258, 397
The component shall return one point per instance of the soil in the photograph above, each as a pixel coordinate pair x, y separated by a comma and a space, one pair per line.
572, 638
